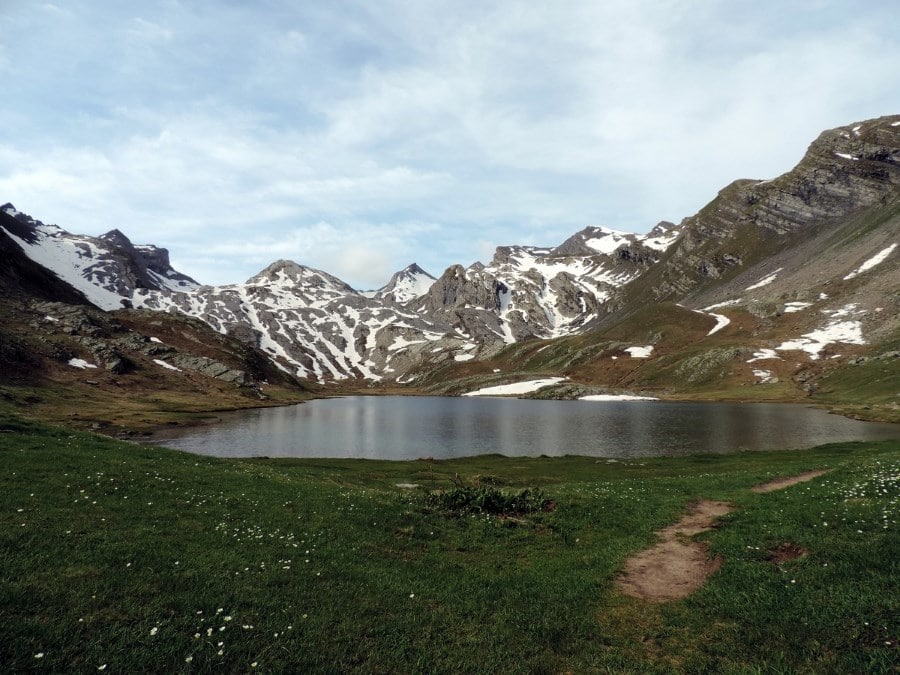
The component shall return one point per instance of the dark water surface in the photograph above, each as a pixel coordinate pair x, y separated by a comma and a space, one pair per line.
408, 427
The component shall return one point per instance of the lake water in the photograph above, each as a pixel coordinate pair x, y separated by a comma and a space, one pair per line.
409, 427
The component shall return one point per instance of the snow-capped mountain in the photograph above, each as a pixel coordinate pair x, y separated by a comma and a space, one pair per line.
106, 269
410, 282
802, 261
527, 292
314, 325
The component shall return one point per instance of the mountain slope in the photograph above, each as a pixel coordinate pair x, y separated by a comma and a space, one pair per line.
106, 269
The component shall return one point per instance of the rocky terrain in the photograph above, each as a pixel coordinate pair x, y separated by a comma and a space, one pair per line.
789, 286
64, 358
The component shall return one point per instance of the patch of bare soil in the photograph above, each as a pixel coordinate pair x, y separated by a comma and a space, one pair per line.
677, 565
784, 552
781, 483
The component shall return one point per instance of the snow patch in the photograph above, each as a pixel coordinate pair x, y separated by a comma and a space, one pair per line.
401, 342
850, 309
80, 363
73, 259
878, 258
721, 322
167, 366
726, 303
156, 340
721, 319
764, 354
844, 155
765, 376
609, 243
662, 242
849, 332
791, 307
463, 357
765, 281
639, 352
516, 388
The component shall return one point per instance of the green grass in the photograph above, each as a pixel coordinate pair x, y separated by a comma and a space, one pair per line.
140, 558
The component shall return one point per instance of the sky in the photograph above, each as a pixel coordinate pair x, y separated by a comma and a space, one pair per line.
359, 137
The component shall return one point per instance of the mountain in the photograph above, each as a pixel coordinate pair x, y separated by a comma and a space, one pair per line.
791, 283
106, 269
316, 326
407, 284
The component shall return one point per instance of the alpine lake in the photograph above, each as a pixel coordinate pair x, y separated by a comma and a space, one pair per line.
414, 427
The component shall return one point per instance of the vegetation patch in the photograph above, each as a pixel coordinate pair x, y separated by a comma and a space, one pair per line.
464, 500
130, 558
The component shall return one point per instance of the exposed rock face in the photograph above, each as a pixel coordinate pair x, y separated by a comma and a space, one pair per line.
845, 170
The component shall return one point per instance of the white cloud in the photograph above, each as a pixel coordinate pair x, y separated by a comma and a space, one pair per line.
509, 122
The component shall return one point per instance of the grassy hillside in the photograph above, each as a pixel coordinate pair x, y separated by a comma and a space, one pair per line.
128, 558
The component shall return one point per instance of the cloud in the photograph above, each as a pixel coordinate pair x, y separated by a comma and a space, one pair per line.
328, 132
364, 254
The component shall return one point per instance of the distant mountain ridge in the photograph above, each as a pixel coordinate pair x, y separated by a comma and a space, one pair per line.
316, 326
773, 266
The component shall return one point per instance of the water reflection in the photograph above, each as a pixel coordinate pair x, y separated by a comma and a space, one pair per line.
412, 427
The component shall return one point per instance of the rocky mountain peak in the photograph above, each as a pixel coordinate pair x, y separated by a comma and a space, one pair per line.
409, 283
117, 238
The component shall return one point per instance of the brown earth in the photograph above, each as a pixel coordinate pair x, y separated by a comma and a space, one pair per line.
781, 483
678, 565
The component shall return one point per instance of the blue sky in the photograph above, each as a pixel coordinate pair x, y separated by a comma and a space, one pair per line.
357, 137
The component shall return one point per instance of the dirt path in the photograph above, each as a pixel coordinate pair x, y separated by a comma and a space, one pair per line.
678, 565
782, 483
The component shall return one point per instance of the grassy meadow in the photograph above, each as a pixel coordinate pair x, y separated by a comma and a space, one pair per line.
125, 558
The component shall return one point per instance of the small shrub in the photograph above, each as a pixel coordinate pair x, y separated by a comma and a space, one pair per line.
463, 500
